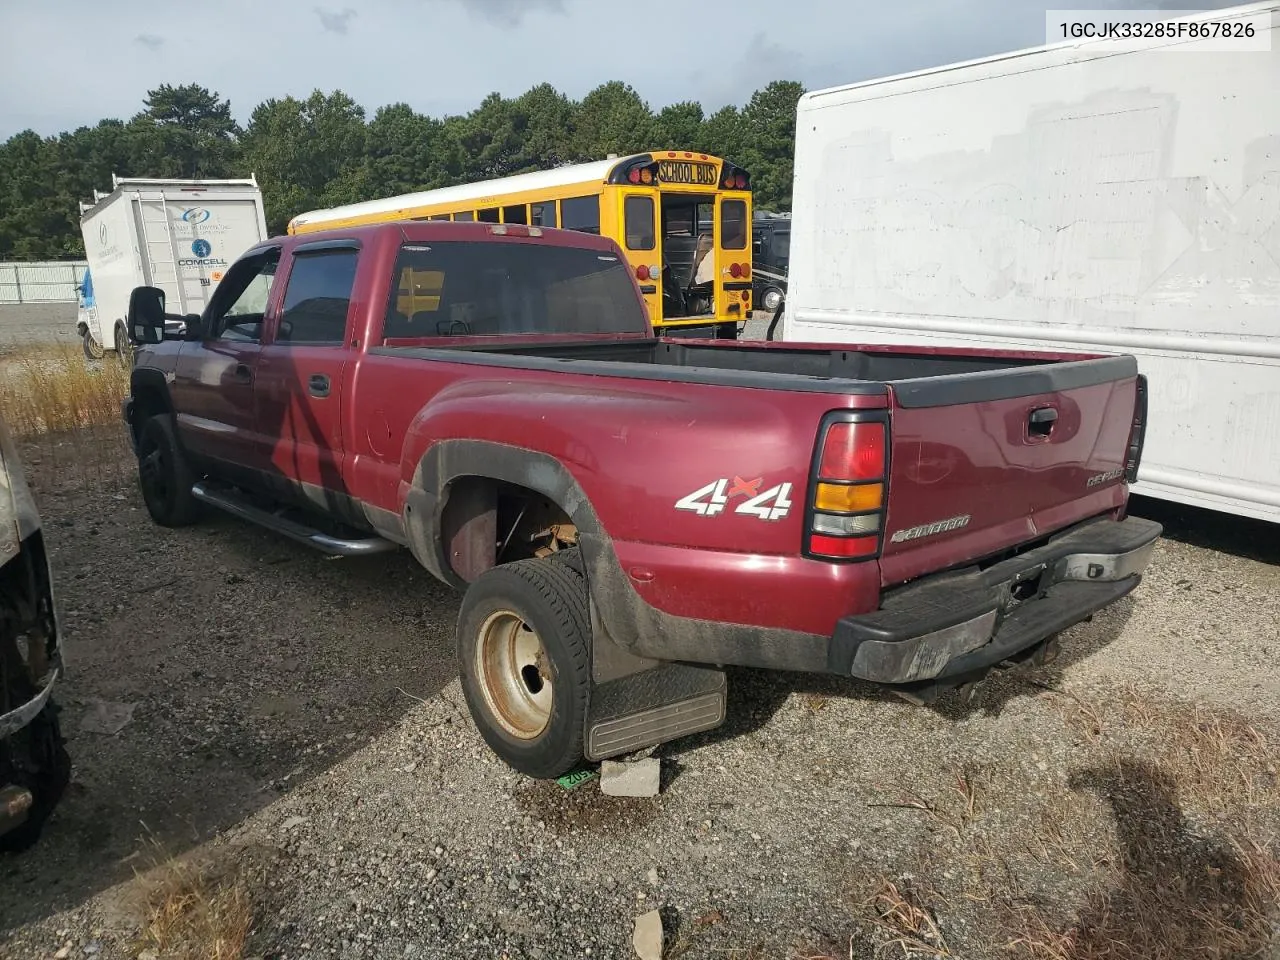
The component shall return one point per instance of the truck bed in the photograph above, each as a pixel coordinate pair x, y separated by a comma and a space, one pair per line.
921, 377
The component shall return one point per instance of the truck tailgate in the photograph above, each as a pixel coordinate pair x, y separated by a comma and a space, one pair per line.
983, 462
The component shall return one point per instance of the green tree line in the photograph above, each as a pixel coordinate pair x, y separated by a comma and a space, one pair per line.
324, 150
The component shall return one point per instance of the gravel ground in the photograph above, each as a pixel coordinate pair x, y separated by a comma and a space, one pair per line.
297, 725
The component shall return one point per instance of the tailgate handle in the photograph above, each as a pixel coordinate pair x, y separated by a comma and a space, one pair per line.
1040, 422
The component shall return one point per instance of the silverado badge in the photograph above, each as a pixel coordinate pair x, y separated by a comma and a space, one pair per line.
929, 529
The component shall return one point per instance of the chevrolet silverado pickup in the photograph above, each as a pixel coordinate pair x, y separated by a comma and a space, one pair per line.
628, 514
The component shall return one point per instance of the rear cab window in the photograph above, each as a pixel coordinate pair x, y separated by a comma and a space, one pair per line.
509, 288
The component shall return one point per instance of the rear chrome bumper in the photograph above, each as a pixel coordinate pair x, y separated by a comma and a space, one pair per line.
952, 626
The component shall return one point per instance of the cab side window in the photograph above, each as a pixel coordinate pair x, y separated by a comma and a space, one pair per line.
318, 297
238, 307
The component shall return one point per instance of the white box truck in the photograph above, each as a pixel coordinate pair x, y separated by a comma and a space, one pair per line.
178, 235
1123, 198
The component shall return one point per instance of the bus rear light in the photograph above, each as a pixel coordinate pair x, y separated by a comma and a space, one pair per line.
735, 270
642, 272
746, 271
728, 183
746, 295
740, 181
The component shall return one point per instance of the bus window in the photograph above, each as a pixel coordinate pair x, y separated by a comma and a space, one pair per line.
466, 216
544, 214
638, 214
733, 224
487, 215
516, 214
439, 216
581, 214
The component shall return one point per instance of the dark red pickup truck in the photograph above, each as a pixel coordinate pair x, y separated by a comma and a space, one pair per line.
628, 514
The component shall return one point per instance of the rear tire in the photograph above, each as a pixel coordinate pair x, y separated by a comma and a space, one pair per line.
771, 299
524, 641
165, 477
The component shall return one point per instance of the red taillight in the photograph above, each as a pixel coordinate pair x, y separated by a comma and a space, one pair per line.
735, 270
728, 183
853, 452
746, 271
849, 548
845, 516
642, 272
740, 181
634, 176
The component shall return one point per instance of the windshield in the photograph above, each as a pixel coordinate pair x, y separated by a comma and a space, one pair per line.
503, 288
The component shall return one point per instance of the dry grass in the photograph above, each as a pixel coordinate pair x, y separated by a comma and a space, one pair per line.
52, 389
1159, 839
194, 912
1164, 887
65, 413
903, 910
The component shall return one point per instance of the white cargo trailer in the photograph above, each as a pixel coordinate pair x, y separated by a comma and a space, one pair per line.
1087, 196
178, 235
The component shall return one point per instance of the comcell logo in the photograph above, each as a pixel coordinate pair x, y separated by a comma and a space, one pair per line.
194, 215
201, 248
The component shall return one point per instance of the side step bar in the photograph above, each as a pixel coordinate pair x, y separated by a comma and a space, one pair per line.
238, 506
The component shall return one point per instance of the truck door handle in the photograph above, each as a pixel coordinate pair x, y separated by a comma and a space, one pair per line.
1040, 422
243, 373
319, 385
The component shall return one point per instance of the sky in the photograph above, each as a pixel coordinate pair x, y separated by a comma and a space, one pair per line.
69, 63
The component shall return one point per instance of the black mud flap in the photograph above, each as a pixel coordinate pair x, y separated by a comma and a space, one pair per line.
637, 702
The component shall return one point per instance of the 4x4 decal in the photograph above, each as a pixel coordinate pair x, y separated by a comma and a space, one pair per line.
771, 504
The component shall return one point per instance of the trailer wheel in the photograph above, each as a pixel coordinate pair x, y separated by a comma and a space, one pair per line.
92, 348
165, 477
772, 297
524, 652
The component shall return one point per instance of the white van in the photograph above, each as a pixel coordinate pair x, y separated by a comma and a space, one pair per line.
178, 235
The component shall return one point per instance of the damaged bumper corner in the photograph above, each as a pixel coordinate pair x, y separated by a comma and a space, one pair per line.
19, 717
958, 625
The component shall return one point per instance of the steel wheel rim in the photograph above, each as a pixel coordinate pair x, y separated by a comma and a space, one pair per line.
515, 674
771, 299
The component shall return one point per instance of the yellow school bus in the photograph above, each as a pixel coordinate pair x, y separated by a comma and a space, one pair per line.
682, 217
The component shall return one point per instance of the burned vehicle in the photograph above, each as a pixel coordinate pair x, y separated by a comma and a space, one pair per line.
34, 765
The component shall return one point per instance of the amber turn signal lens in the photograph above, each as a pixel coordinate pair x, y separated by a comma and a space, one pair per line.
841, 498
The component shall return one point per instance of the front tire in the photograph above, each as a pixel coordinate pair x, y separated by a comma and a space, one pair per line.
38, 760
524, 652
165, 477
124, 349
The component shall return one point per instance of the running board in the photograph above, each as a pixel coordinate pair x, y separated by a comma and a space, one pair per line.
309, 536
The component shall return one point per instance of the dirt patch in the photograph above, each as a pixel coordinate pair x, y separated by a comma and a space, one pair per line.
585, 808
